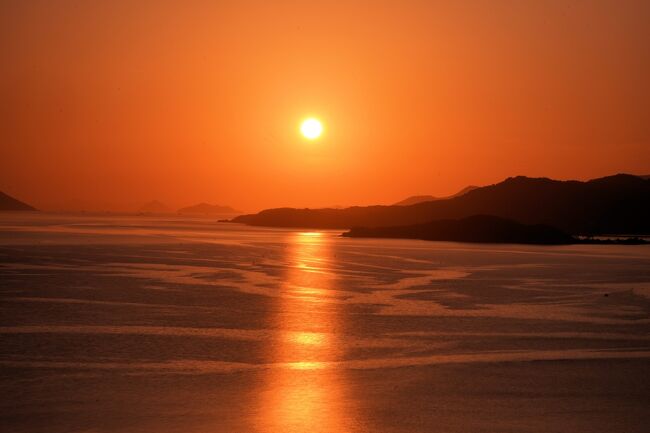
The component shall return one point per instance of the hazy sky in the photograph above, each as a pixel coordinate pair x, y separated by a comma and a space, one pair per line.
121, 102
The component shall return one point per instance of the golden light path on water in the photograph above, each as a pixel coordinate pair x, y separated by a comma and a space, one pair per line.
308, 395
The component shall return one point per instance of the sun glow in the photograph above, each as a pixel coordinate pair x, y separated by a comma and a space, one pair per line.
311, 128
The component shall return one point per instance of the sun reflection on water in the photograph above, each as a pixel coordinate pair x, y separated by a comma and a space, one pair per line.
306, 365
309, 338
306, 392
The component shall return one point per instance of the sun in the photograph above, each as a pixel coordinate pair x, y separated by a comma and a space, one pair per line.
311, 128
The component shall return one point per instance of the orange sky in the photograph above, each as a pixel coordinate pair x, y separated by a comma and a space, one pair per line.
115, 103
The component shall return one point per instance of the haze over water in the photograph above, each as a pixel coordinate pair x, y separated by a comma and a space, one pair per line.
138, 324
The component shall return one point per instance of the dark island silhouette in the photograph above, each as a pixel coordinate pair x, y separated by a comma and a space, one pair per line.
477, 228
8, 203
483, 229
618, 204
207, 209
415, 199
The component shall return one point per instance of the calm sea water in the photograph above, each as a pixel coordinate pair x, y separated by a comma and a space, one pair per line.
143, 324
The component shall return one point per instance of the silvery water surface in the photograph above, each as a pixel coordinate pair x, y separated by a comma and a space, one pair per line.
154, 324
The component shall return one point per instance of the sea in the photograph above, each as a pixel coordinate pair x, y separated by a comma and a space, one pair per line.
168, 324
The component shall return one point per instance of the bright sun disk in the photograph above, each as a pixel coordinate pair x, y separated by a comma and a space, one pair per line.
311, 128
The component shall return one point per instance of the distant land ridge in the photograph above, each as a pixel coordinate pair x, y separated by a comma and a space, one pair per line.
9, 203
415, 199
478, 228
618, 204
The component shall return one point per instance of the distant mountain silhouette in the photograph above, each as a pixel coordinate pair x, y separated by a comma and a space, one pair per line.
415, 199
614, 204
155, 207
478, 228
464, 191
207, 209
9, 203
422, 198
